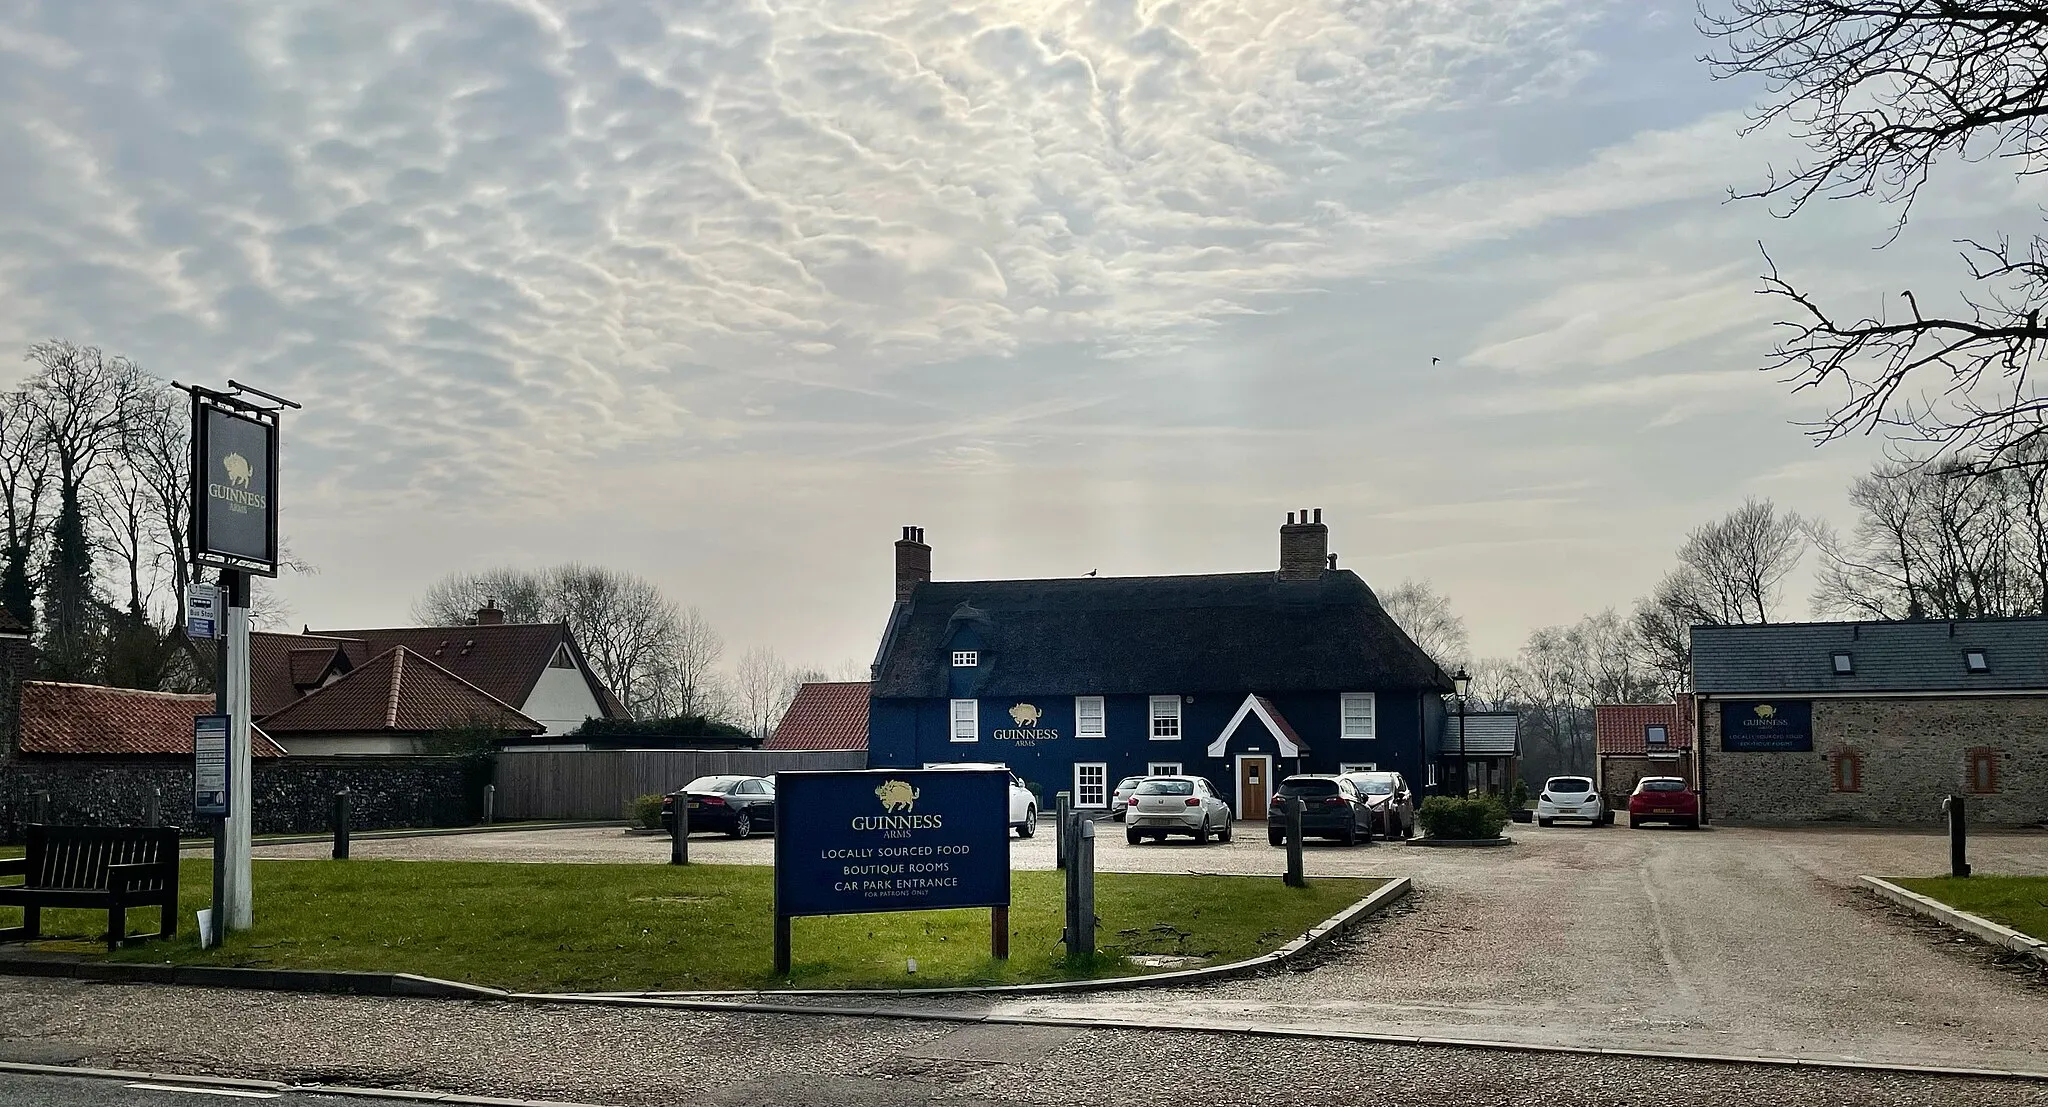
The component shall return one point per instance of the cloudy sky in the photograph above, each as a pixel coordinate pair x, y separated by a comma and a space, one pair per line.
724, 293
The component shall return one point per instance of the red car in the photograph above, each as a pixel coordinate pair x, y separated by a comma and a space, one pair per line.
1663, 799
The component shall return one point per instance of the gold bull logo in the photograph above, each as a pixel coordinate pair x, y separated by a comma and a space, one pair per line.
896, 795
1765, 711
238, 468
1025, 715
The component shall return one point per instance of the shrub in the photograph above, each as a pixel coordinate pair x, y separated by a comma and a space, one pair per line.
1519, 798
1451, 817
645, 812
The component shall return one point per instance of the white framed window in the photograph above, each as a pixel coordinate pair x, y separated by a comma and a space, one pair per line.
1163, 768
1360, 715
966, 659
1165, 718
966, 720
1432, 775
1091, 784
1090, 721
1359, 767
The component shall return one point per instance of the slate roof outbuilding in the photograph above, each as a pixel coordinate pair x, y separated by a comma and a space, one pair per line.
1188, 634
91, 719
397, 691
1487, 734
825, 715
1921, 655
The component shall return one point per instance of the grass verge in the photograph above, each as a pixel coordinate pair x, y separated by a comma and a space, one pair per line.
634, 927
2020, 902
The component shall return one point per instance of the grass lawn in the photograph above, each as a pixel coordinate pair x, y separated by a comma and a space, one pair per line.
633, 927
2020, 902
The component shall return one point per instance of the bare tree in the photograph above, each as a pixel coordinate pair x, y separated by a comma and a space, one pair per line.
24, 492
160, 450
1881, 91
658, 658
1730, 571
764, 685
1427, 616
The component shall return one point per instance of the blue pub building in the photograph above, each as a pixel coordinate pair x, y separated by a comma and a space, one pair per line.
1243, 678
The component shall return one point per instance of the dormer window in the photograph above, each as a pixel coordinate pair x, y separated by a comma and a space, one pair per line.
966, 659
1844, 664
1976, 662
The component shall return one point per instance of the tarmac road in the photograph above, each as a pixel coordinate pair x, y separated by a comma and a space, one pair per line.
1720, 940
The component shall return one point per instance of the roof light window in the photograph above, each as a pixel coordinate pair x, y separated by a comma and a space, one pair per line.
1844, 664
1976, 662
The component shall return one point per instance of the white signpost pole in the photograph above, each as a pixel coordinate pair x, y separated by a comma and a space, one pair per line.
241, 908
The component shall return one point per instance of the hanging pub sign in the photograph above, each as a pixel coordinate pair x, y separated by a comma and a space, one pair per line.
863, 840
1767, 726
234, 484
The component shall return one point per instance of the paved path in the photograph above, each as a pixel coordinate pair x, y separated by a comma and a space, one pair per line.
655, 1058
1719, 940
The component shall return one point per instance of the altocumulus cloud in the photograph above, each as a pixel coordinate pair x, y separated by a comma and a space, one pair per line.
487, 239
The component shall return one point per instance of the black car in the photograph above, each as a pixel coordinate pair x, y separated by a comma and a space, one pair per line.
740, 806
1331, 808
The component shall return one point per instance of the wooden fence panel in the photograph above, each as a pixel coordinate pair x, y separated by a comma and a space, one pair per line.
598, 784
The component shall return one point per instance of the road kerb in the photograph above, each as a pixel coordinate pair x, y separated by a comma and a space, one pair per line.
1976, 926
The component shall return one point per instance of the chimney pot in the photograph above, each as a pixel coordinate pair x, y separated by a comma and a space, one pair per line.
913, 562
1290, 518
1304, 548
1319, 515
1333, 561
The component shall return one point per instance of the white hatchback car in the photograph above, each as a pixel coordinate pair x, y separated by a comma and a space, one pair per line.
1569, 797
1023, 804
1163, 805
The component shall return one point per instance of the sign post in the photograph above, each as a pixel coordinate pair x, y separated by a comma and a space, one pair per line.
867, 840
234, 529
202, 612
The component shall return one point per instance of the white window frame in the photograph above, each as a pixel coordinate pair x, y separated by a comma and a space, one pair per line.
1102, 787
1431, 782
973, 721
1157, 717
1358, 767
1082, 729
966, 659
1372, 709
1163, 768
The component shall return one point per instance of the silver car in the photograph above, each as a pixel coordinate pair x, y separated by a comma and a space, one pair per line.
1166, 805
1121, 798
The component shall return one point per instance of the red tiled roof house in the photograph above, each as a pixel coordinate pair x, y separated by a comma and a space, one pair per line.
825, 715
1635, 740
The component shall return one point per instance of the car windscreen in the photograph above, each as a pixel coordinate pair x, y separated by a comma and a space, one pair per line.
1308, 787
1376, 787
1569, 784
1663, 785
1167, 788
712, 784
1128, 782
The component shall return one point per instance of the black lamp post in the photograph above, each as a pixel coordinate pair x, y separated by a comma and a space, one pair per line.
1461, 681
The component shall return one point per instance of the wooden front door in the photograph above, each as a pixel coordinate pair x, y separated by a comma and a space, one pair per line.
1254, 784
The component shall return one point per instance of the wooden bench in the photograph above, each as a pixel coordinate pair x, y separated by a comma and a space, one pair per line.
90, 867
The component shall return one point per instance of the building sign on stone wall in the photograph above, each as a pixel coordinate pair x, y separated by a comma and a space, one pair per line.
1767, 726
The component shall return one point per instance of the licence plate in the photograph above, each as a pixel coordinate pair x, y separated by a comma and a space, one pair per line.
1661, 811
695, 805
1567, 810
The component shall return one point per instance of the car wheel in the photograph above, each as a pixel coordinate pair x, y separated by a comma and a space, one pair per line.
1276, 837
1132, 836
742, 826
1542, 822
1202, 833
1350, 835
1224, 833
1030, 825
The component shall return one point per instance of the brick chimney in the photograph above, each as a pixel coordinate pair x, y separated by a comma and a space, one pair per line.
1304, 546
913, 562
489, 615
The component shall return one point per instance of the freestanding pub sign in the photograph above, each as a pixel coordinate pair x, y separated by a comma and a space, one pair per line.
870, 840
234, 484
